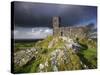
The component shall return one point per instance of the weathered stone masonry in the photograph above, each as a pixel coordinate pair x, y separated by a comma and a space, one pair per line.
78, 31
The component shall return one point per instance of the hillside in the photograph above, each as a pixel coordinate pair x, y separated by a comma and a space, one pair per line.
57, 54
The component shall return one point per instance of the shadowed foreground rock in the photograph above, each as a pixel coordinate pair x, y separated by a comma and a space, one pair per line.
23, 56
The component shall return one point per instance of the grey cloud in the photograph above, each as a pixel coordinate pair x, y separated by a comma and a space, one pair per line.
33, 33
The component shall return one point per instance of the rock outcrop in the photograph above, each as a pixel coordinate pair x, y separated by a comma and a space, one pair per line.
23, 56
56, 54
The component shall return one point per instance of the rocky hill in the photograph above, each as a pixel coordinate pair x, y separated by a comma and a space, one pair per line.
51, 54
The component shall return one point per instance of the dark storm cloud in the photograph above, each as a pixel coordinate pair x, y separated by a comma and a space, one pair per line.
33, 20
37, 14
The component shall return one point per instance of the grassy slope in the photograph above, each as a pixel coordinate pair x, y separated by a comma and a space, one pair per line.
89, 56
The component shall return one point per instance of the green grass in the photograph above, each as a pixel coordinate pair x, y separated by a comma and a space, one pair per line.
88, 55
44, 43
91, 56
21, 45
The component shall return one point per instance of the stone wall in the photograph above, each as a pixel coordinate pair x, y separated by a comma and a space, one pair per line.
72, 32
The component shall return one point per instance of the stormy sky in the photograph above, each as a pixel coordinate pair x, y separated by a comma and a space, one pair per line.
34, 20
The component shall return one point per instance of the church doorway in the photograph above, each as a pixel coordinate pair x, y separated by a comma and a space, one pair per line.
61, 33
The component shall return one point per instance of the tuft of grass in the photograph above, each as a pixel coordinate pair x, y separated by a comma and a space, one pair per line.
44, 43
91, 55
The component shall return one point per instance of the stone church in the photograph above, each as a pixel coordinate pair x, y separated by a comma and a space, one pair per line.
72, 31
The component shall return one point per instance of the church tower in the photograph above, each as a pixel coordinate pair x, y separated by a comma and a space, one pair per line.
56, 23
